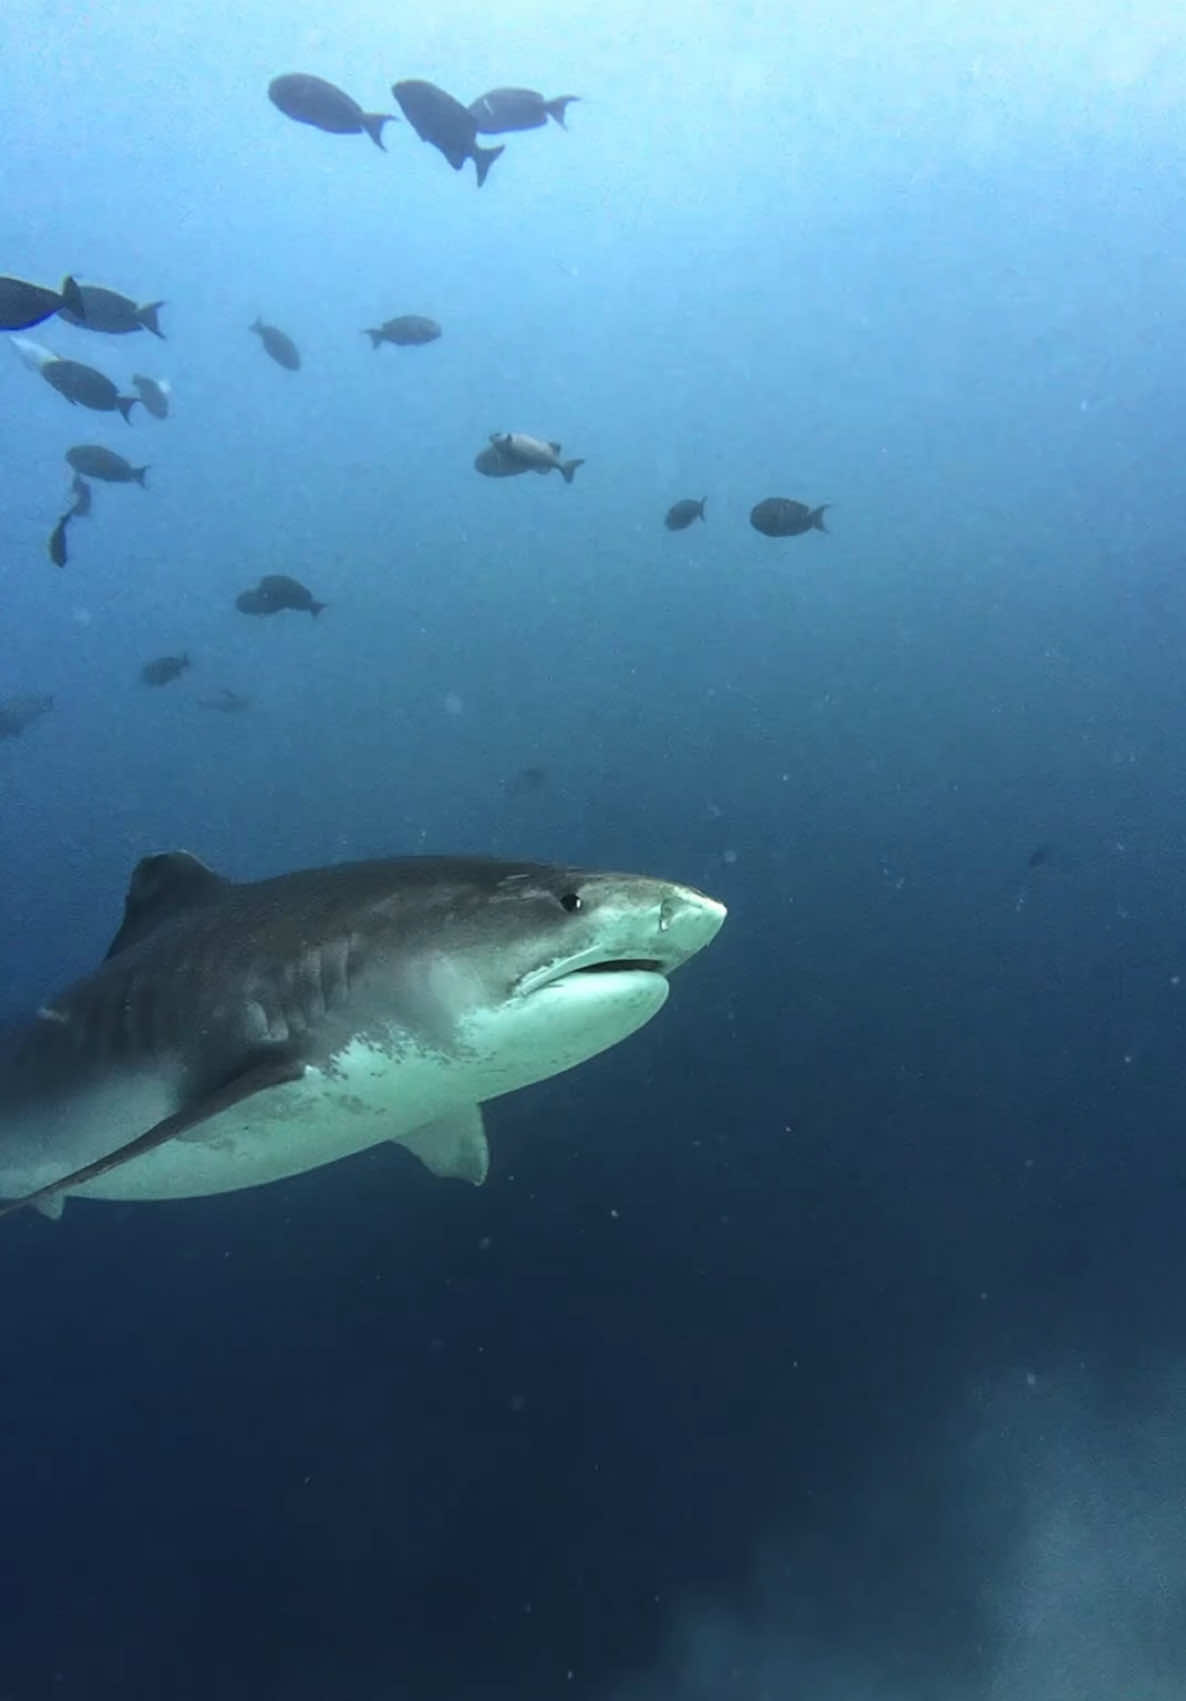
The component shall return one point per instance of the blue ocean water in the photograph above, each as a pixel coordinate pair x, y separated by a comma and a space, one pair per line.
823, 1342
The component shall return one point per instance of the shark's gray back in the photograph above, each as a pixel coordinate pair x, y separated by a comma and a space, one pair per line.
203, 971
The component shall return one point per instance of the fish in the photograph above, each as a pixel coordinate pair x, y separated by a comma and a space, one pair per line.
533, 453
107, 310
281, 348
526, 782
408, 331
240, 1032
57, 541
276, 591
83, 495
23, 305
92, 460
444, 123
154, 393
85, 384
229, 702
18, 713
778, 516
681, 514
492, 463
500, 110
311, 100
164, 669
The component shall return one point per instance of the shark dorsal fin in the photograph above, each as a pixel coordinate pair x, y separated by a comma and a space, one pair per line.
162, 887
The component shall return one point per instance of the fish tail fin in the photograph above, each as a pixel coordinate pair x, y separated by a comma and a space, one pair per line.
555, 108
817, 516
72, 298
375, 336
373, 122
316, 607
147, 316
140, 474
258, 324
125, 404
703, 506
568, 468
484, 158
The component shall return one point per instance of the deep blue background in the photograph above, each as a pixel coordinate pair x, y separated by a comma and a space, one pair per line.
826, 1339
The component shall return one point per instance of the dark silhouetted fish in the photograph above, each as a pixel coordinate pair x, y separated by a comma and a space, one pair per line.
57, 541
281, 348
492, 463
311, 100
778, 516
25, 304
107, 310
229, 702
681, 514
275, 592
500, 110
17, 713
84, 384
526, 782
447, 125
533, 453
154, 393
163, 669
83, 496
408, 331
95, 461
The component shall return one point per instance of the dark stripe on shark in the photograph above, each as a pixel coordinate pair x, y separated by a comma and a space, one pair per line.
258, 1077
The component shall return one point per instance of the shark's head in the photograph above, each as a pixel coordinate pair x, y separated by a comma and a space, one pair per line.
522, 971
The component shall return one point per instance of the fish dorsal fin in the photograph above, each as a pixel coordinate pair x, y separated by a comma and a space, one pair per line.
453, 1145
555, 447
256, 1076
162, 887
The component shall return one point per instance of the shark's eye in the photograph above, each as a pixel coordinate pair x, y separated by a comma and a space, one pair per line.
571, 901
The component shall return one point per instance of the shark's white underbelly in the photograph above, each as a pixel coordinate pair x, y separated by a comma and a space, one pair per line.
366, 1098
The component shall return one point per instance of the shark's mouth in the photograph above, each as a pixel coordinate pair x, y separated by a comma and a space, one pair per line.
557, 974
623, 966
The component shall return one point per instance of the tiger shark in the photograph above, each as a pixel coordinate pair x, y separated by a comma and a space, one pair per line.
240, 1032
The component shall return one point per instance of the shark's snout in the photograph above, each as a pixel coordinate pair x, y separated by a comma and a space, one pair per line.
688, 921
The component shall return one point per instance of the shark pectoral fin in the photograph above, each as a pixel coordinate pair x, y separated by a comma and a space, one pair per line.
453, 1145
51, 1206
256, 1077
